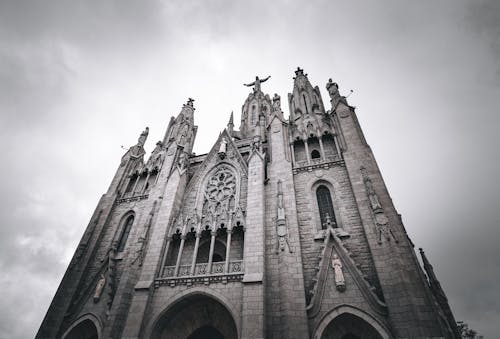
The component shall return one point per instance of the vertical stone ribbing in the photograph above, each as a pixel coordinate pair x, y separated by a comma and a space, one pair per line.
253, 311
290, 287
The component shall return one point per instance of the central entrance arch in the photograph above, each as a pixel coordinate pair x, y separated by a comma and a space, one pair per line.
349, 326
196, 316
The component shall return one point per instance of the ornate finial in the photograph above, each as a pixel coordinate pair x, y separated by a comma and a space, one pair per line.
299, 71
256, 83
190, 102
143, 137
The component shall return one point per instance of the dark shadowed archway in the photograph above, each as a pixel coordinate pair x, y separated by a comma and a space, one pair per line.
206, 332
349, 326
196, 317
84, 330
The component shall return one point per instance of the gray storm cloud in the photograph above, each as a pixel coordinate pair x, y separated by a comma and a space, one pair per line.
78, 80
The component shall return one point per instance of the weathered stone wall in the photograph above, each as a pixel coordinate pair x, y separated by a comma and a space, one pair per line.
346, 213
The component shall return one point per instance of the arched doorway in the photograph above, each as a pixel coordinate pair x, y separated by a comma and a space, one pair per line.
83, 330
349, 326
196, 317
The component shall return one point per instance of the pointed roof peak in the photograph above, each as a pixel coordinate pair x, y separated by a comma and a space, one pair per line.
231, 119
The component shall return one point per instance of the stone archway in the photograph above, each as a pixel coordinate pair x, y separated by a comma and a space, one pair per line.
196, 316
82, 329
349, 326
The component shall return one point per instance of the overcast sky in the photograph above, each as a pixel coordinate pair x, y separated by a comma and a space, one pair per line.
78, 80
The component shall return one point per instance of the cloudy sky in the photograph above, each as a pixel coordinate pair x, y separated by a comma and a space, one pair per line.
80, 79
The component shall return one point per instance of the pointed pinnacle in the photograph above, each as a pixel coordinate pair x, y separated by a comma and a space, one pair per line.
230, 119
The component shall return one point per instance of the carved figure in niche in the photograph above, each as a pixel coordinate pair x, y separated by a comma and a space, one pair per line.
223, 148
338, 274
183, 135
276, 102
255, 146
381, 220
256, 83
183, 160
281, 209
281, 227
99, 288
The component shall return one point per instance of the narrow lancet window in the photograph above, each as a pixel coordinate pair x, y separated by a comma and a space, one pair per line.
325, 205
125, 232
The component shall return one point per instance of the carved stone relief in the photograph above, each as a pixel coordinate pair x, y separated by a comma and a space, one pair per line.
381, 221
338, 273
281, 226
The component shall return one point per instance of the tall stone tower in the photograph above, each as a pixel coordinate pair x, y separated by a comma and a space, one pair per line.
285, 229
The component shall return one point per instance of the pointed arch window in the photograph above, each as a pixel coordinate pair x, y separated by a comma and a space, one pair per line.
325, 205
125, 233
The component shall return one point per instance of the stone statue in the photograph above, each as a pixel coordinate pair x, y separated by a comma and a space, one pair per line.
223, 146
99, 288
372, 195
183, 161
339, 275
281, 209
281, 226
143, 137
257, 83
277, 102
333, 91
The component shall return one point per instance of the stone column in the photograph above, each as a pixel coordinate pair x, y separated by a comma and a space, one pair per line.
323, 156
146, 183
228, 250
284, 266
195, 252
253, 304
135, 184
179, 255
164, 259
211, 253
293, 153
337, 146
306, 145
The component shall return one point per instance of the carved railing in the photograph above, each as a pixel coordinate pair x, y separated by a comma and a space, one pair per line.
201, 269
302, 165
236, 266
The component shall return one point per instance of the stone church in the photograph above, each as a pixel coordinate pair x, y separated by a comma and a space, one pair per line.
285, 229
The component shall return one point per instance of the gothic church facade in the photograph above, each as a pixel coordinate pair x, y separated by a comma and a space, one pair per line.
285, 229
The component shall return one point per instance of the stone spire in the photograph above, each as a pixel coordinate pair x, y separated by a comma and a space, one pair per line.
230, 124
182, 129
305, 99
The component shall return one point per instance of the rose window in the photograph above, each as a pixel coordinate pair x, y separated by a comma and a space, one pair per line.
221, 186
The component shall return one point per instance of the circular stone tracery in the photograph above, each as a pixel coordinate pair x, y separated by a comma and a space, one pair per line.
221, 186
